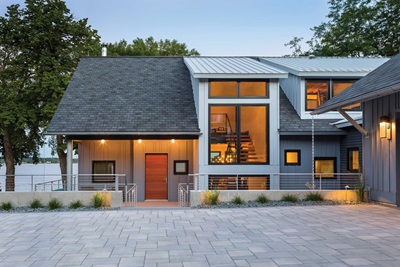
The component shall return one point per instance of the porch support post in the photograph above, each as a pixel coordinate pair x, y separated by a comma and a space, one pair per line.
69, 165
353, 122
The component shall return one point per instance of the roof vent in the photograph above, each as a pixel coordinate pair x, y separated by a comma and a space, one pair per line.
311, 56
103, 50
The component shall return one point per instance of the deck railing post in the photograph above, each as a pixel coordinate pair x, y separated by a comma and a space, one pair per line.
320, 181
32, 183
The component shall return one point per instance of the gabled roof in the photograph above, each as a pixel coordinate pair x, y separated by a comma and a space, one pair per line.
127, 96
325, 66
291, 124
382, 81
231, 67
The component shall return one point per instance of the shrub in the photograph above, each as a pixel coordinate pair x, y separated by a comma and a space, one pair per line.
359, 189
54, 204
314, 196
36, 204
6, 205
290, 198
211, 197
262, 199
98, 200
237, 200
76, 204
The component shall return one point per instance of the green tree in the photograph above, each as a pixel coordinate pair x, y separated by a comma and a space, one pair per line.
40, 47
358, 28
150, 47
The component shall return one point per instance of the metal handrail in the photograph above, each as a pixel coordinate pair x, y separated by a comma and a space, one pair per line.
131, 195
183, 194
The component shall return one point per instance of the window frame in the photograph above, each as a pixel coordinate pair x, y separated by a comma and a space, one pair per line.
298, 163
334, 167
238, 128
330, 83
267, 83
350, 149
94, 178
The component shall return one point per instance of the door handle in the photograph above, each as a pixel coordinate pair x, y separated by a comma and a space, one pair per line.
166, 180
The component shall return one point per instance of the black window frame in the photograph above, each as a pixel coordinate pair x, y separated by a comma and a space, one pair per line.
330, 83
238, 128
350, 149
238, 81
334, 166
298, 151
105, 179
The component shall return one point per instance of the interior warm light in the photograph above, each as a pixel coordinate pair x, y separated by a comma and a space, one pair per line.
139, 141
384, 127
173, 141
102, 141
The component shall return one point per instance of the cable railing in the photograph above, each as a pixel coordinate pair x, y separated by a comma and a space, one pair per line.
277, 181
131, 195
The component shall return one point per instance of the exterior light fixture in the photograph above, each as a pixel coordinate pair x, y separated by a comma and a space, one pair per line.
102, 141
139, 141
384, 127
173, 141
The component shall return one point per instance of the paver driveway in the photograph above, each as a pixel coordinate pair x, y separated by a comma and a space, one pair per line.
310, 236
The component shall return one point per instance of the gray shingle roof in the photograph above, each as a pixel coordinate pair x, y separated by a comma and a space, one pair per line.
291, 124
127, 95
382, 81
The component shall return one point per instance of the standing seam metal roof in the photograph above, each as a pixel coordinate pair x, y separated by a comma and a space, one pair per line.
306, 65
230, 65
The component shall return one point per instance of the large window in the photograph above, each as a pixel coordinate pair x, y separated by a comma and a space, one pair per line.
241, 89
326, 167
353, 160
103, 167
320, 91
238, 134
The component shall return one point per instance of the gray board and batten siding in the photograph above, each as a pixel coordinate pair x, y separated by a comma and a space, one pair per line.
381, 169
129, 157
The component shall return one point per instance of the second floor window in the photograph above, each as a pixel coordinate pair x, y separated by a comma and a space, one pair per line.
239, 89
320, 91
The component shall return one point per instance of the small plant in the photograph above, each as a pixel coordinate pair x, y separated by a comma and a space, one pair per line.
290, 198
76, 204
262, 199
314, 196
98, 200
211, 197
359, 189
237, 200
6, 205
36, 204
54, 204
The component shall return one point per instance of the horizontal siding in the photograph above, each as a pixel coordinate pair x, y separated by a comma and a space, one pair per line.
353, 139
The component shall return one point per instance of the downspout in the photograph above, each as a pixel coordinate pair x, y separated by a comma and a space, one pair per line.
353, 122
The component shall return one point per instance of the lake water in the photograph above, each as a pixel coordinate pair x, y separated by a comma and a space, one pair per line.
25, 174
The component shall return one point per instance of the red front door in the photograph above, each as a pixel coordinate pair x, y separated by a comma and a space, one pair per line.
156, 176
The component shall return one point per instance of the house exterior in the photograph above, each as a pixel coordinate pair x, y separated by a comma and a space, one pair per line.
379, 94
159, 119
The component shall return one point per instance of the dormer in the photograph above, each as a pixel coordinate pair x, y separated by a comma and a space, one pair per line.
314, 80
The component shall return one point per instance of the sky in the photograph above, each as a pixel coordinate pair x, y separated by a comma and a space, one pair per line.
212, 27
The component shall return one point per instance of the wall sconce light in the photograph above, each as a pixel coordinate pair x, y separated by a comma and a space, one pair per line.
384, 127
173, 141
102, 141
139, 141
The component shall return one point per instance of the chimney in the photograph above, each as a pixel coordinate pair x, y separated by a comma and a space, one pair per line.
103, 50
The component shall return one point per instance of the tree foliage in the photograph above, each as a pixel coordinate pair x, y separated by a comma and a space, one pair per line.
357, 28
40, 47
150, 47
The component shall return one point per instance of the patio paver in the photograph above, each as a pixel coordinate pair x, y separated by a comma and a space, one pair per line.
359, 235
